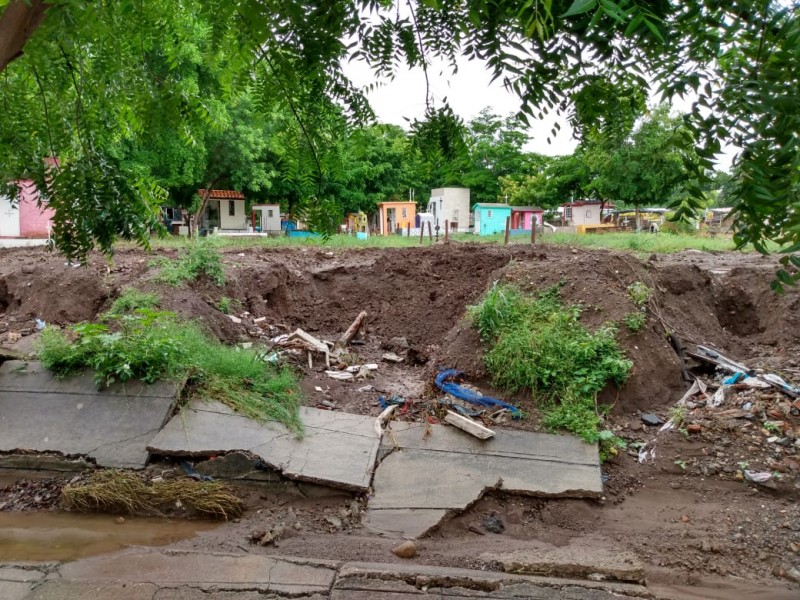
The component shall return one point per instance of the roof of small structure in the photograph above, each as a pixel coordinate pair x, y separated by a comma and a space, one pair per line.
223, 194
526, 209
491, 205
584, 203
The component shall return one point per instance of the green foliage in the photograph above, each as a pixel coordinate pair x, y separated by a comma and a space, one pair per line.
536, 343
130, 300
639, 293
610, 444
116, 88
635, 321
138, 348
151, 345
224, 305
198, 258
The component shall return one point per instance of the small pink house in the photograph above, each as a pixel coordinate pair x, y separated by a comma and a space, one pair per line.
522, 217
24, 218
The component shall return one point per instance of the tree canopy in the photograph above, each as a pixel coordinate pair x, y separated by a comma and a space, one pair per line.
79, 77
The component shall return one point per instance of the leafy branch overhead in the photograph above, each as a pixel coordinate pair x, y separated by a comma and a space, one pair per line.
81, 78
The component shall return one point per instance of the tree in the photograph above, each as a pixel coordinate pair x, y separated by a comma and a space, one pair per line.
495, 150
647, 167
740, 58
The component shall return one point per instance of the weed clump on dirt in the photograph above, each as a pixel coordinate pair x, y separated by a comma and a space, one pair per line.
198, 258
124, 492
149, 345
537, 343
130, 300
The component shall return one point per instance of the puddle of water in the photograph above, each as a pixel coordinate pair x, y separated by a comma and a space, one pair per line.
41, 536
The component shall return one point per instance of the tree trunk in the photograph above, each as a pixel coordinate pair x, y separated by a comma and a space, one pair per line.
203, 203
17, 24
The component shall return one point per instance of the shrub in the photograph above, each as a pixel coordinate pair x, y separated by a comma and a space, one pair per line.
536, 343
130, 300
199, 258
635, 321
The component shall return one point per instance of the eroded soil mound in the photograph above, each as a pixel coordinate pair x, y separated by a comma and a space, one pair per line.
421, 296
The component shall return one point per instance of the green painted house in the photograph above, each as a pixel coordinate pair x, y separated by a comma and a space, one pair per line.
490, 218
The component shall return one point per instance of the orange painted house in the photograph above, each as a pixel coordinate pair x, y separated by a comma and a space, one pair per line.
395, 215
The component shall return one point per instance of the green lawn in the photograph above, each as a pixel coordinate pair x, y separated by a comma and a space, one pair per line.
642, 243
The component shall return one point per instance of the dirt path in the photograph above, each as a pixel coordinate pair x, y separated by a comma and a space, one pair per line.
685, 513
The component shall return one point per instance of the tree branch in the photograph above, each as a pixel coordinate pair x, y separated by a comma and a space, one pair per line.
17, 24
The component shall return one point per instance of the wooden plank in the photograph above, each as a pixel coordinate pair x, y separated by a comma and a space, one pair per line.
468, 425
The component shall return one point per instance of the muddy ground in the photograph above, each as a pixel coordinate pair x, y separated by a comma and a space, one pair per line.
687, 512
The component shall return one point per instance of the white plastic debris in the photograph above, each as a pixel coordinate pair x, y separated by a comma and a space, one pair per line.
759, 477
718, 397
755, 382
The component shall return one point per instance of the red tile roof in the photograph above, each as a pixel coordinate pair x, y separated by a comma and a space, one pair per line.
223, 194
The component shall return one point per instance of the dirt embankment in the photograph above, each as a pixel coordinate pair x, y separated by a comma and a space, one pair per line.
685, 512
421, 295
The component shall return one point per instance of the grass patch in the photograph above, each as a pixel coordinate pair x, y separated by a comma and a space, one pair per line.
196, 259
635, 321
639, 243
125, 492
130, 300
149, 345
537, 343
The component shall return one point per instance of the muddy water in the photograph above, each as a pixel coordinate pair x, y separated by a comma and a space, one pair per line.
38, 536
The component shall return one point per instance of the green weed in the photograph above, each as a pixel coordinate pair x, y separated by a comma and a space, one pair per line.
678, 415
610, 444
224, 305
196, 259
151, 345
536, 343
635, 321
639, 293
130, 300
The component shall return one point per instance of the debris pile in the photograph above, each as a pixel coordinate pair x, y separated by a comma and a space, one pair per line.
751, 420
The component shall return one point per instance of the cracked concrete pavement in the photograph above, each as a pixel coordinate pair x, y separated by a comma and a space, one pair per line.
338, 449
146, 574
72, 417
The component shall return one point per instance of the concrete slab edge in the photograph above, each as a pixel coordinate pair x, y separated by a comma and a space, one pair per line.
430, 576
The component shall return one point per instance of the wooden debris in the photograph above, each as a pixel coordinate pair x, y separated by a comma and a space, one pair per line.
468, 425
384, 418
352, 330
301, 340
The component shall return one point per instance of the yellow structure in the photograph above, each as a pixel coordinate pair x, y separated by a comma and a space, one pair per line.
395, 215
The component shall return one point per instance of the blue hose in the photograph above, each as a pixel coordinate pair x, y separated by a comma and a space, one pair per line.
445, 382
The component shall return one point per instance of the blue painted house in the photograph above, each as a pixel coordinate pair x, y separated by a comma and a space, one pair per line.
490, 218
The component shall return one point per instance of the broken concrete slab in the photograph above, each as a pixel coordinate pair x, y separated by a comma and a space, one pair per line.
572, 561
203, 571
338, 449
72, 417
408, 580
44, 462
428, 477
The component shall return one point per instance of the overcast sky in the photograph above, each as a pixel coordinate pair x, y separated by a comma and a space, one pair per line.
468, 92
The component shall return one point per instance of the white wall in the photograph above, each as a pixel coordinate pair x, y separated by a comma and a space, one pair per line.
269, 223
237, 221
9, 218
452, 204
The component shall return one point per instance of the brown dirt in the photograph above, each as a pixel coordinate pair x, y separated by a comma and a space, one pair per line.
685, 513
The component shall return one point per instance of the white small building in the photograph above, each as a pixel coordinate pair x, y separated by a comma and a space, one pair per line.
266, 218
224, 211
450, 204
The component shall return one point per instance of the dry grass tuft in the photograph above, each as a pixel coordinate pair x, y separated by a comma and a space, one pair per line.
115, 491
